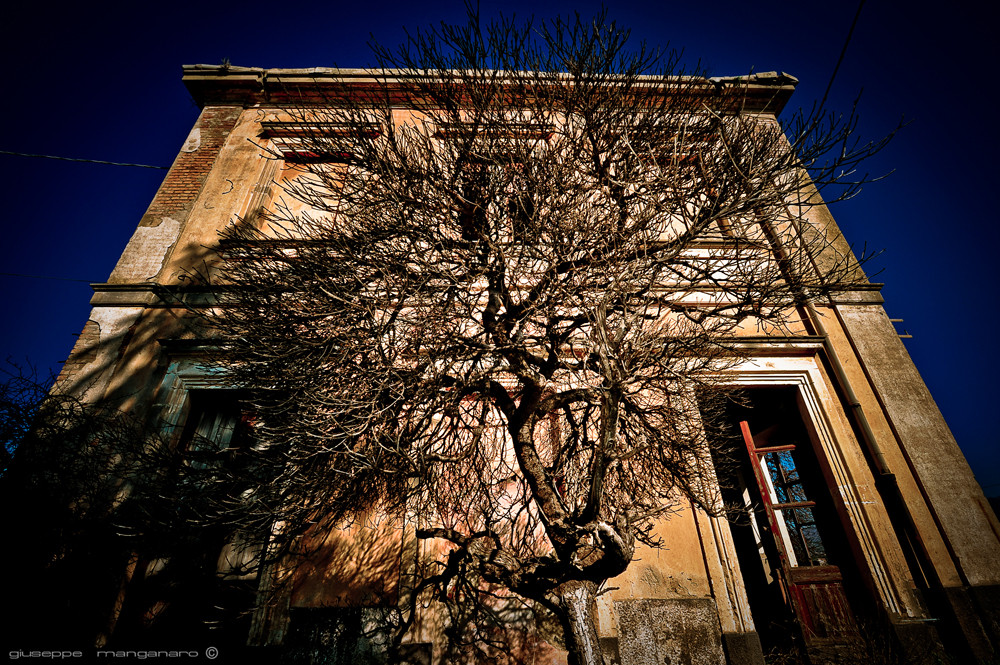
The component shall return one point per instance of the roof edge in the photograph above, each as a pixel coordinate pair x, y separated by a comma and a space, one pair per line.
214, 85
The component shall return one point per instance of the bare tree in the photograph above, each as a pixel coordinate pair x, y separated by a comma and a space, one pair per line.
494, 292
76, 485
92, 492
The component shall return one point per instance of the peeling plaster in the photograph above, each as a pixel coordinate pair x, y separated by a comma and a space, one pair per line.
113, 321
147, 251
650, 582
113, 324
193, 141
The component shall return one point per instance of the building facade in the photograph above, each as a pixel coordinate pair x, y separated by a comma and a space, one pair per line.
862, 522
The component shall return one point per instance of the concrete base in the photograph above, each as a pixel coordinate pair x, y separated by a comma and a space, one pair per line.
416, 653
669, 631
987, 599
962, 628
743, 648
609, 649
919, 643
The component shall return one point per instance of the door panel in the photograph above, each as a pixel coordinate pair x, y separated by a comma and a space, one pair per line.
810, 584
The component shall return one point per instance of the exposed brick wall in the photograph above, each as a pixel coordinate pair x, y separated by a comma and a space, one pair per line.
83, 353
173, 201
186, 177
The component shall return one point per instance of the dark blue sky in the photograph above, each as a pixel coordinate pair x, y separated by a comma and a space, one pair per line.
103, 82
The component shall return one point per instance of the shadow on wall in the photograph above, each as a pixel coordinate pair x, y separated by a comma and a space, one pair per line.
93, 440
354, 590
356, 564
118, 360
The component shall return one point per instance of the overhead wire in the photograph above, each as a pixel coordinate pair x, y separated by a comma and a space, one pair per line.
62, 279
68, 159
843, 52
77, 159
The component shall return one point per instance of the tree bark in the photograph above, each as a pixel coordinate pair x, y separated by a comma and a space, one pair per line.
578, 604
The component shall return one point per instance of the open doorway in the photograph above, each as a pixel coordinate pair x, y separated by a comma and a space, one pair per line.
790, 543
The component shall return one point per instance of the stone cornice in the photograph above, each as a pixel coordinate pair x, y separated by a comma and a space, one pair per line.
152, 295
214, 85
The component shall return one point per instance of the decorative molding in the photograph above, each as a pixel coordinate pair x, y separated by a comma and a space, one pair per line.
228, 85
811, 389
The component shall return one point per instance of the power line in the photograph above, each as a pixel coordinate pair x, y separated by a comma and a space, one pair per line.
843, 52
62, 279
76, 159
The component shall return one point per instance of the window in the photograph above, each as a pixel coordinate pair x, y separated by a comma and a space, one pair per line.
494, 179
196, 583
215, 430
497, 197
316, 142
792, 505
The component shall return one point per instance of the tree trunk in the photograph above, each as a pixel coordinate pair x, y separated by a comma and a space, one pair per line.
578, 616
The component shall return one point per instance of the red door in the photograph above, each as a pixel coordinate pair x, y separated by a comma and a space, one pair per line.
811, 586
